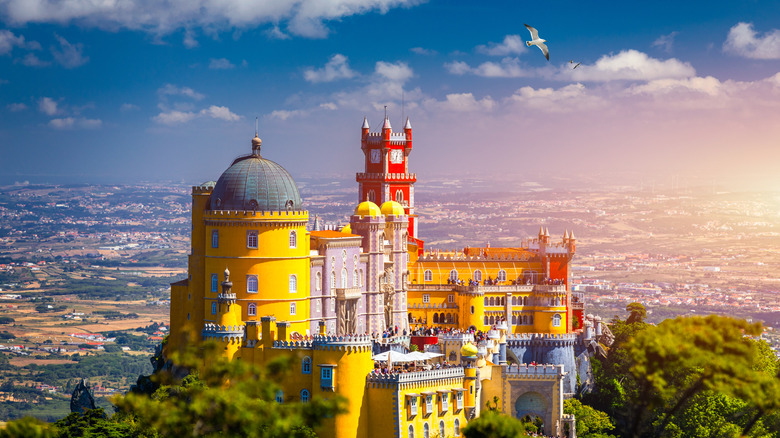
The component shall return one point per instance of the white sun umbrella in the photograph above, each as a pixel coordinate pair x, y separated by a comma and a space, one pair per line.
381, 356
416, 355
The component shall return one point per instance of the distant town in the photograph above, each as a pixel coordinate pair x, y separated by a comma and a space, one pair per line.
84, 270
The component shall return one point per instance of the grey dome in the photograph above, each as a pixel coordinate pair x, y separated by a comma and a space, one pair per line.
254, 183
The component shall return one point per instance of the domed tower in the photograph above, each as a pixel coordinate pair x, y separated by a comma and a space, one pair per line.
251, 220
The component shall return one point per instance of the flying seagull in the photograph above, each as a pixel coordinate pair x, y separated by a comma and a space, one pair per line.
572, 62
538, 42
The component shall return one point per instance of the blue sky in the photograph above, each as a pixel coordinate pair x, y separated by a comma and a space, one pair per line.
170, 90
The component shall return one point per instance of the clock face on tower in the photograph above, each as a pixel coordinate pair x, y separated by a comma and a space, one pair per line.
375, 155
396, 156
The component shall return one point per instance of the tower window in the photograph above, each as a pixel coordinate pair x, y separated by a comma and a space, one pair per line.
360, 277
355, 279
304, 396
293, 283
381, 242
318, 282
411, 429
319, 306
450, 298
293, 239
457, 428
279, 396
251, 239
214, 238
441, 428
428, 275
501, 275
251, 310
306, 365
454, 275
426, 298
371, 196
292, 308
251, 284
344, 279
426, 430
477, 275
214, 283
332, 281
399, 197
213, 308
556, 320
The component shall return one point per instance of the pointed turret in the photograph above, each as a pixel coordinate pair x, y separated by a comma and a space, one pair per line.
365, 123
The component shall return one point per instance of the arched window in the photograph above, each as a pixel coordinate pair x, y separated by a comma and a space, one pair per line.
306, 365
514, 319
214, 283
525, 301
449, 318
292, 308
426, 430
251, 239
531, 319
411, 431
318, 282
381, 242
293, 283
435, 318
304, 396
344, 282
486, 320
333, 281
428, 275
501, 275
293, 239
454, 275
371, 196
457, 427
399, 197
214, 239
251, 284
356, 279
360, 278
492, 320
556, 320
486, 301
514, 301
279, 396
491, 302
213, 308
472, 312
525, 319
442, 433
477, 275
251, 309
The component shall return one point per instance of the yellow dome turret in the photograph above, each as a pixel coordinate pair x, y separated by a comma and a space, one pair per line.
347, 229
468, 350
392, 207
368, 208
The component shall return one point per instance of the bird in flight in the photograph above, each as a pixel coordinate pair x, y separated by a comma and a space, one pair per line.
572, 62
538, 42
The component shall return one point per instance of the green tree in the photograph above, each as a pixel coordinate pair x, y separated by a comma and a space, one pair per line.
637, 313
226, 398
27, 427
492, 424
591, 423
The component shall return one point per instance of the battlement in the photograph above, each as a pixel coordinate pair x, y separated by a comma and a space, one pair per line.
415, 377
393, 177
257, 215
525, 371
223, 332
435, 256
457, 338
202, 190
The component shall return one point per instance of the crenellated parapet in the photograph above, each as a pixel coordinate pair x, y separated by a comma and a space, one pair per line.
536, 372
216, 332
439, 256
424, 377
541, 339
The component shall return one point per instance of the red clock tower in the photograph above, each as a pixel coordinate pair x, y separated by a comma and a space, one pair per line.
387, 176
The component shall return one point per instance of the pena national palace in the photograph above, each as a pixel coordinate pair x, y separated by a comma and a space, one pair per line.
348, 305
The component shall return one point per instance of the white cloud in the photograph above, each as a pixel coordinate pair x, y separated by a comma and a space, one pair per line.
172, 90
302, 17
189, 39
16, 107
329, 106
744, 41
512, 45
336, 68
128, 107
461, 102
220, 64
71, 123
422, 51
628, 65
285, 114
398, 72
665, 42
567, 99
708, 85
507, 68
8, 41
48, 106
277, 34
69, 55
175, 117
32, 60
220, 112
